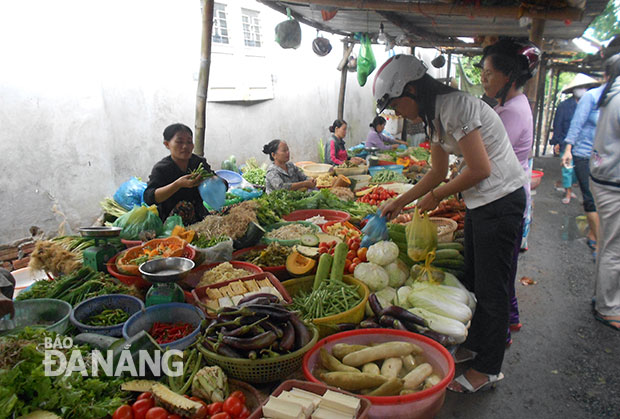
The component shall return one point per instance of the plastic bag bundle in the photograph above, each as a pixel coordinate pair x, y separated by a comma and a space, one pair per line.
130, 193
288, 33
213, 191
427, 272
421, 236
170, 223
366, 62
246, 193
375, 230
138, 221
221, 252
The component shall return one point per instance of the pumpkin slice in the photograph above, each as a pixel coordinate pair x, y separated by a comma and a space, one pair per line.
299, 265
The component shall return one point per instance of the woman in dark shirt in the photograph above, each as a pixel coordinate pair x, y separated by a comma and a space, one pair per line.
170, 185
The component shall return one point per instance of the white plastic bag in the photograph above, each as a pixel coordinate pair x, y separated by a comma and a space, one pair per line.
221, 252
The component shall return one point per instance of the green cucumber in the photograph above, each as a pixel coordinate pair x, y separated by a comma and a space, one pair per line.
397, 228
310, 240
451, 245
398, 237
442, 254
406, 259
340, 256
322, 271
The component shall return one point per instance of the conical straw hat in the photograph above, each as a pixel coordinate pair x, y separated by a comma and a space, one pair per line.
581, 80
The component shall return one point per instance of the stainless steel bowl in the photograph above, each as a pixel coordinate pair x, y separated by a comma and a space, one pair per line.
166, 269
102, 231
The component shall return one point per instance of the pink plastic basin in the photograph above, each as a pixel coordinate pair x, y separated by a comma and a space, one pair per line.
423, 404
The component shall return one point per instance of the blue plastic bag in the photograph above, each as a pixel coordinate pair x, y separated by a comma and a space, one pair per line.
375, 230
130, 193
246, 193
213, 191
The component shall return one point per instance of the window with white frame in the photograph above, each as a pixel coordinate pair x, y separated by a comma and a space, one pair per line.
220, 27
251, 28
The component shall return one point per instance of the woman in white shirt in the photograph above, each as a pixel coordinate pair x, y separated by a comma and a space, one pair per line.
491, 183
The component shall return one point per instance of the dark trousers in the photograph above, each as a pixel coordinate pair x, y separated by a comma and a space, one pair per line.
490, 235
582, 172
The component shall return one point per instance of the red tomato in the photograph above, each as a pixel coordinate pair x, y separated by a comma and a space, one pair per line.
233, 406
214, 408
354, 247
123, 412
245, 413
351, 253
361, 253
201, 413
140, 408
356, 260
156, 413
145, 395
332, 243
347, 263
240, 395
352, 267
373, 202
221, 415
175, 416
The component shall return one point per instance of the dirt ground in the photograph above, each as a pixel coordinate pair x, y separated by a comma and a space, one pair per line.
563, 363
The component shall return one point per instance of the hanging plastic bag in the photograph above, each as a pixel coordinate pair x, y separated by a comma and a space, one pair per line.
213, 191
375, 230
288, 33
170, 223
366, 62
421, 236
427, 272
140, 223
130, 193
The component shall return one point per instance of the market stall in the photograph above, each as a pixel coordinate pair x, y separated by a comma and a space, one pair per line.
273, 302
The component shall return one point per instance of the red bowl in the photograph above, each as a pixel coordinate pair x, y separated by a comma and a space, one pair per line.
193, 278
135, 280
279, 271
131, 243
536, 179
329, 215
346, 223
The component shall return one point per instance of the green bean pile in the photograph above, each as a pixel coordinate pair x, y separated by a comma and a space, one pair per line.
332, 297
108, 317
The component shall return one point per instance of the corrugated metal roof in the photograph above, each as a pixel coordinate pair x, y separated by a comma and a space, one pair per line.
435, 30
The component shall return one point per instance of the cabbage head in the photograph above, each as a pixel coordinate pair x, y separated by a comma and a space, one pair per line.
382, 253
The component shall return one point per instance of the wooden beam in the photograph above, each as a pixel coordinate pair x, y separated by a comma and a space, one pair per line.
555, 78
312, 23
411, 31
347, 48
203, 77
509, 12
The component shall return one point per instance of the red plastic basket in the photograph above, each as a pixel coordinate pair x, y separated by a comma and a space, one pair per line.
135, 280
193, 278
131, 243
346, 224
316, 388
329, 215
279, 271
200, 293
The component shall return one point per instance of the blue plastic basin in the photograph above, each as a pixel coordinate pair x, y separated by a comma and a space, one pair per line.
95, 305
166, 313
233, 178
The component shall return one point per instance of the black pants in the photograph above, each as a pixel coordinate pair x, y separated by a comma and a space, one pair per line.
490, 235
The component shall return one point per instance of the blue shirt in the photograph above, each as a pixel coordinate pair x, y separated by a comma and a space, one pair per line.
561, 123
582, 126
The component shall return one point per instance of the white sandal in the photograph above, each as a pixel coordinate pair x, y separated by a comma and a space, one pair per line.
468, 388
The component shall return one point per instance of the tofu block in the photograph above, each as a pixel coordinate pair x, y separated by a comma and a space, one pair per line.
213, 304
315, 398
281, 409
225, 302
326, 413
251, 285
343, 402
306, 404
213, 293
265, 283
236, 299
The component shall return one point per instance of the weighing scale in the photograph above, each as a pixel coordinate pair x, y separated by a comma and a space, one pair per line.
164, 274
107, 244
372, 158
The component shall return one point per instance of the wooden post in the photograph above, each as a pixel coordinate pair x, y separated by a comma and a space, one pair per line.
448, 69
555, 78
203, 77
532, 86
347, 48
540, 99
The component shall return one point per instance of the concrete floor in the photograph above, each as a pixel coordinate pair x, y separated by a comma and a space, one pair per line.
563, 363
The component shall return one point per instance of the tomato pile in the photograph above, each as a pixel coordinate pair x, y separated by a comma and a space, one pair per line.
355, 255
377, 196
144, 408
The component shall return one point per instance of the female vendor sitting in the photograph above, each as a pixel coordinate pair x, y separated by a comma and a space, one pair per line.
335, 151
282, 174
376, 139
170, 185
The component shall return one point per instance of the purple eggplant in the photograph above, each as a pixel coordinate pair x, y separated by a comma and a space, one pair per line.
263, 296
369, 324
343, 327
404, 315
242, 330
248, 344
375, 305
302, 334
267, 325
288, 337
275, 313
219, 348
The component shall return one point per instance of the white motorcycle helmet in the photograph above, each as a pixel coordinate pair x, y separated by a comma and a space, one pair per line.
393, 76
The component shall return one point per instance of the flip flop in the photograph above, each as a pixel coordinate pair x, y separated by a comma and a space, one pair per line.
591, 244
606, 322
466, 387
566, 200
515, 327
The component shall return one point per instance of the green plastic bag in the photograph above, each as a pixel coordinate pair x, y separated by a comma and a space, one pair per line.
366, 62
171, 222
140, 223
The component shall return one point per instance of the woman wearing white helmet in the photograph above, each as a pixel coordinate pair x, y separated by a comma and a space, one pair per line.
491, 182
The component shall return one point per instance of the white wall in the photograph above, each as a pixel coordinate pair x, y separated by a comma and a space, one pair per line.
86, 89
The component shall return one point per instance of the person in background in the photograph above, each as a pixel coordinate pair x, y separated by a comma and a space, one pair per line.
416, 133
507, 65
378, 140
7, 287
491, 182
579, 140
605, 184
170, 186
283, 174
561, 123
335, 151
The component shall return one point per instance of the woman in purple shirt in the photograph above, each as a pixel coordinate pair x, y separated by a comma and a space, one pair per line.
378, 140
507, 65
